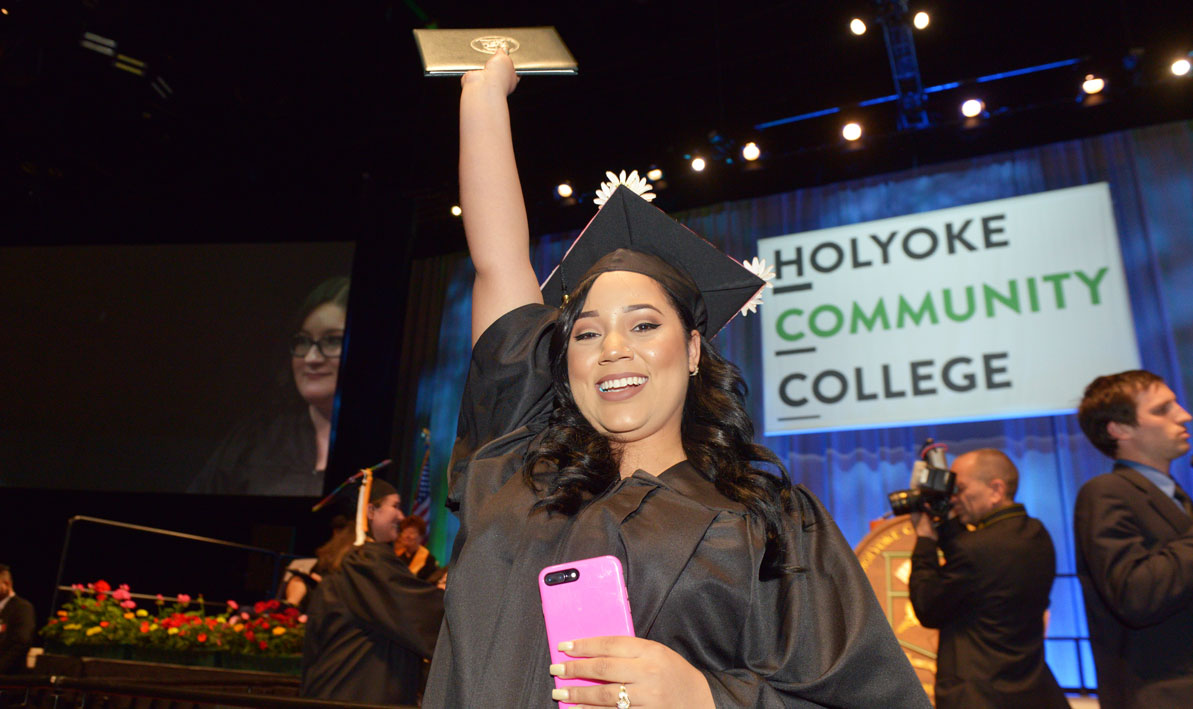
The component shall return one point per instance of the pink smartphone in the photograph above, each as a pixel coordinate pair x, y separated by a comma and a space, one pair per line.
583, 599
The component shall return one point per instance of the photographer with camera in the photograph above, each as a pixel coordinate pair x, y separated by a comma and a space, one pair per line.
989, 595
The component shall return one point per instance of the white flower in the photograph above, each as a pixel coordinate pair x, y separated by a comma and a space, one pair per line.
758, 267
639, 185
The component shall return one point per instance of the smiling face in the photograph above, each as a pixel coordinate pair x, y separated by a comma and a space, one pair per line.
629, 358
1159, 435
410, 540
384, 517
315, 374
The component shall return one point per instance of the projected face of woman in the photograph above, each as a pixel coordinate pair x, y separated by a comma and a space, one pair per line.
315, 374
629, 358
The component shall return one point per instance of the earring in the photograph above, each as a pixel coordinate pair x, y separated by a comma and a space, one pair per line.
694, 372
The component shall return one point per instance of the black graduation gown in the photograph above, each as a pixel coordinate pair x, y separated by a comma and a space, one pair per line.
267, 454
370, 626
691, 556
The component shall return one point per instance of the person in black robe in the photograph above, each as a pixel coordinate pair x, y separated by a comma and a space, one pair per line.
283, 449
610, 426
372, 623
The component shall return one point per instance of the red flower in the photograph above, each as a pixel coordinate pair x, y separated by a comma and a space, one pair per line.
292, 612
53, 621
202, 637
248, 635
144, 627
102, 586
195, 620
103, 624
263, 645
233, 605
211, 622
259, 607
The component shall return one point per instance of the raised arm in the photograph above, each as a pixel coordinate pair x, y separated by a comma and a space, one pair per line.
491, 197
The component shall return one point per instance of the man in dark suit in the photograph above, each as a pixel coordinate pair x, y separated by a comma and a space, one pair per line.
990, 595
16, 626
1134, 536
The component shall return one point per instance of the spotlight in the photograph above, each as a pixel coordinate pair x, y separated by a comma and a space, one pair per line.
920, 20
972, 108
564, 190
1181, 67
852, 131
750, 151
654, 174
1092, 84
456, 211
857, 27
698, 164
3, 10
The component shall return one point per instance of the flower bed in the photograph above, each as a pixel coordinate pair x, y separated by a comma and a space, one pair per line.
106, 622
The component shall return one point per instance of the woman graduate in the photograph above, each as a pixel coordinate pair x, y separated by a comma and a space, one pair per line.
603, 422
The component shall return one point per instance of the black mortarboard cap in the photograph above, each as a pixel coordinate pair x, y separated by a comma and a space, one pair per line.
381, 489
722, 286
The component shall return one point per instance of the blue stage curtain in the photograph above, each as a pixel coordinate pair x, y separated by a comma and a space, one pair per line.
1150, 172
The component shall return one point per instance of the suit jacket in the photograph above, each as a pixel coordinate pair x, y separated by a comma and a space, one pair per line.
1135, 562
18, 624
988, 600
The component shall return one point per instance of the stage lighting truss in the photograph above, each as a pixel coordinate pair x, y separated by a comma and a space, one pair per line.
123, 62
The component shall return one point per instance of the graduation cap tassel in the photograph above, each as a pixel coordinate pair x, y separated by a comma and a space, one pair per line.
365, 477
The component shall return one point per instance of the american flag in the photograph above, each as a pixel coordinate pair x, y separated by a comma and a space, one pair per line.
422, 500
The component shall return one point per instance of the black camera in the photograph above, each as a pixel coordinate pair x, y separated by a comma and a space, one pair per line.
933, 490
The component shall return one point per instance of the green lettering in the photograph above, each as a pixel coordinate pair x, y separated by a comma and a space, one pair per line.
781, 325
1095, 298
948, 305
1057, 286
991, 295
822, 332
869, 322
927, 308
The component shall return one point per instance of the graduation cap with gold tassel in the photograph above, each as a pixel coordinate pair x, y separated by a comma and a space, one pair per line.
371, 490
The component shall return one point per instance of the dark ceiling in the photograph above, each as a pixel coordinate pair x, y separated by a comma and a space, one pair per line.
298, 120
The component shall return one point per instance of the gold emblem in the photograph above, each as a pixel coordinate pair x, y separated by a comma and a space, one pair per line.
885, 556
489, 44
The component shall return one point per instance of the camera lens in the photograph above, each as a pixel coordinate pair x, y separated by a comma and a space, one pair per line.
905, 501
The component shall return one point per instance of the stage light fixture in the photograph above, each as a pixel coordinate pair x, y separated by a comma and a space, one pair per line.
851, 131
564, 190
857, 27
1092, 84
1181, 67
750, 151
3, 10
654, 174
972, 108
920, 20
698, 164
456, 211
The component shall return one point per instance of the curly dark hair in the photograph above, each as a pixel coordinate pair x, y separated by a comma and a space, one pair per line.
574, 463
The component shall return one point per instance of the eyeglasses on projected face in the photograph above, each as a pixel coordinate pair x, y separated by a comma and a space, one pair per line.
328, 345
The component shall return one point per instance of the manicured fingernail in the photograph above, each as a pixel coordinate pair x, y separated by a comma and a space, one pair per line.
565, 646
557, 669
559, 695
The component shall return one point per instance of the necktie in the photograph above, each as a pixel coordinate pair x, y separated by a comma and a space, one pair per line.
1183, 500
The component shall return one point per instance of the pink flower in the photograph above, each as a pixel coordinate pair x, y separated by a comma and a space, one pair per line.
302, 618
77, 587
121, 594
244, 615
233, 605
128, 604
160, 598
183, 598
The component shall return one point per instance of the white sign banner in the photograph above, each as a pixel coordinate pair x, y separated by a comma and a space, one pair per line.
993, 310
